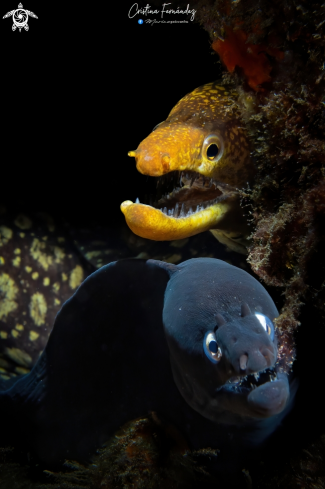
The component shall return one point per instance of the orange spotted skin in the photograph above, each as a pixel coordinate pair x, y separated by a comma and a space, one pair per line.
176, 144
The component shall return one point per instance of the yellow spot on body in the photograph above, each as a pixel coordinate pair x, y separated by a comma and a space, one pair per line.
2, 370
37, 252
57, 302
16, 261
59, 254
56, 287
38, 308
33, 335
28, 269
46, 281
64, 277
2, 260
44, 238
3, 335
232, 136
5, 235
61, 239
8, 293
76, 277
14, 333
17, 251
19, 356
22, 235
23, 222
22, 370
5, 377
20, 327
35, 275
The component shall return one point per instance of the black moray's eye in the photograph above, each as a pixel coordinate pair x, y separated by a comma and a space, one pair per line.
212, 148
211, 348
266, 323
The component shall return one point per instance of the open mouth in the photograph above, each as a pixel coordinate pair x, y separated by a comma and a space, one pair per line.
185, 204
181, 194
251, 381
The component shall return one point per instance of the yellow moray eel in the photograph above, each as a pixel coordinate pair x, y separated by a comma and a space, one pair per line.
203, 147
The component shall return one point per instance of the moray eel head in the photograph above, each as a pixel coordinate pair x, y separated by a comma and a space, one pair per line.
223, 344
200, 157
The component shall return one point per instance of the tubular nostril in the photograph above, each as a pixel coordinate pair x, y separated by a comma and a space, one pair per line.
243, 362
165, 159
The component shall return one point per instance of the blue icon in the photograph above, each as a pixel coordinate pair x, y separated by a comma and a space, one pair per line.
140, 21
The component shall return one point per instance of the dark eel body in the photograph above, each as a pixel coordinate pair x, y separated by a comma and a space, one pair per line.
193, 342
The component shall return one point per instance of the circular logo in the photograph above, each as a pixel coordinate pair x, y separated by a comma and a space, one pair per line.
140, 21
20, 17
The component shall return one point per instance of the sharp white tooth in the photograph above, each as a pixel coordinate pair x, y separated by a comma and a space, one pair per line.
165, 210
182, 213
257, 376
137, 201
176, 210
197, 208
170, 212
190, 211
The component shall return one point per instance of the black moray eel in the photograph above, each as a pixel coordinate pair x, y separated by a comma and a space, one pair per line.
194, 342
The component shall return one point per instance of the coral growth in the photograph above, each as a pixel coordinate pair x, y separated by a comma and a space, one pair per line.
235, 50
145, 453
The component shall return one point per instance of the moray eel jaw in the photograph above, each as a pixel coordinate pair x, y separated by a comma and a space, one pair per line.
259, 395
198, 204
175, 223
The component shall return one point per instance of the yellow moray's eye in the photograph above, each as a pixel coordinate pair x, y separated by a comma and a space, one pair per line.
213, 147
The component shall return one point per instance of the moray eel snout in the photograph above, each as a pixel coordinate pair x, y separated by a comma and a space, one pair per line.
200, 157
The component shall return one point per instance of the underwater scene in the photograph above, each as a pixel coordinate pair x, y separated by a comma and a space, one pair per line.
162, 237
